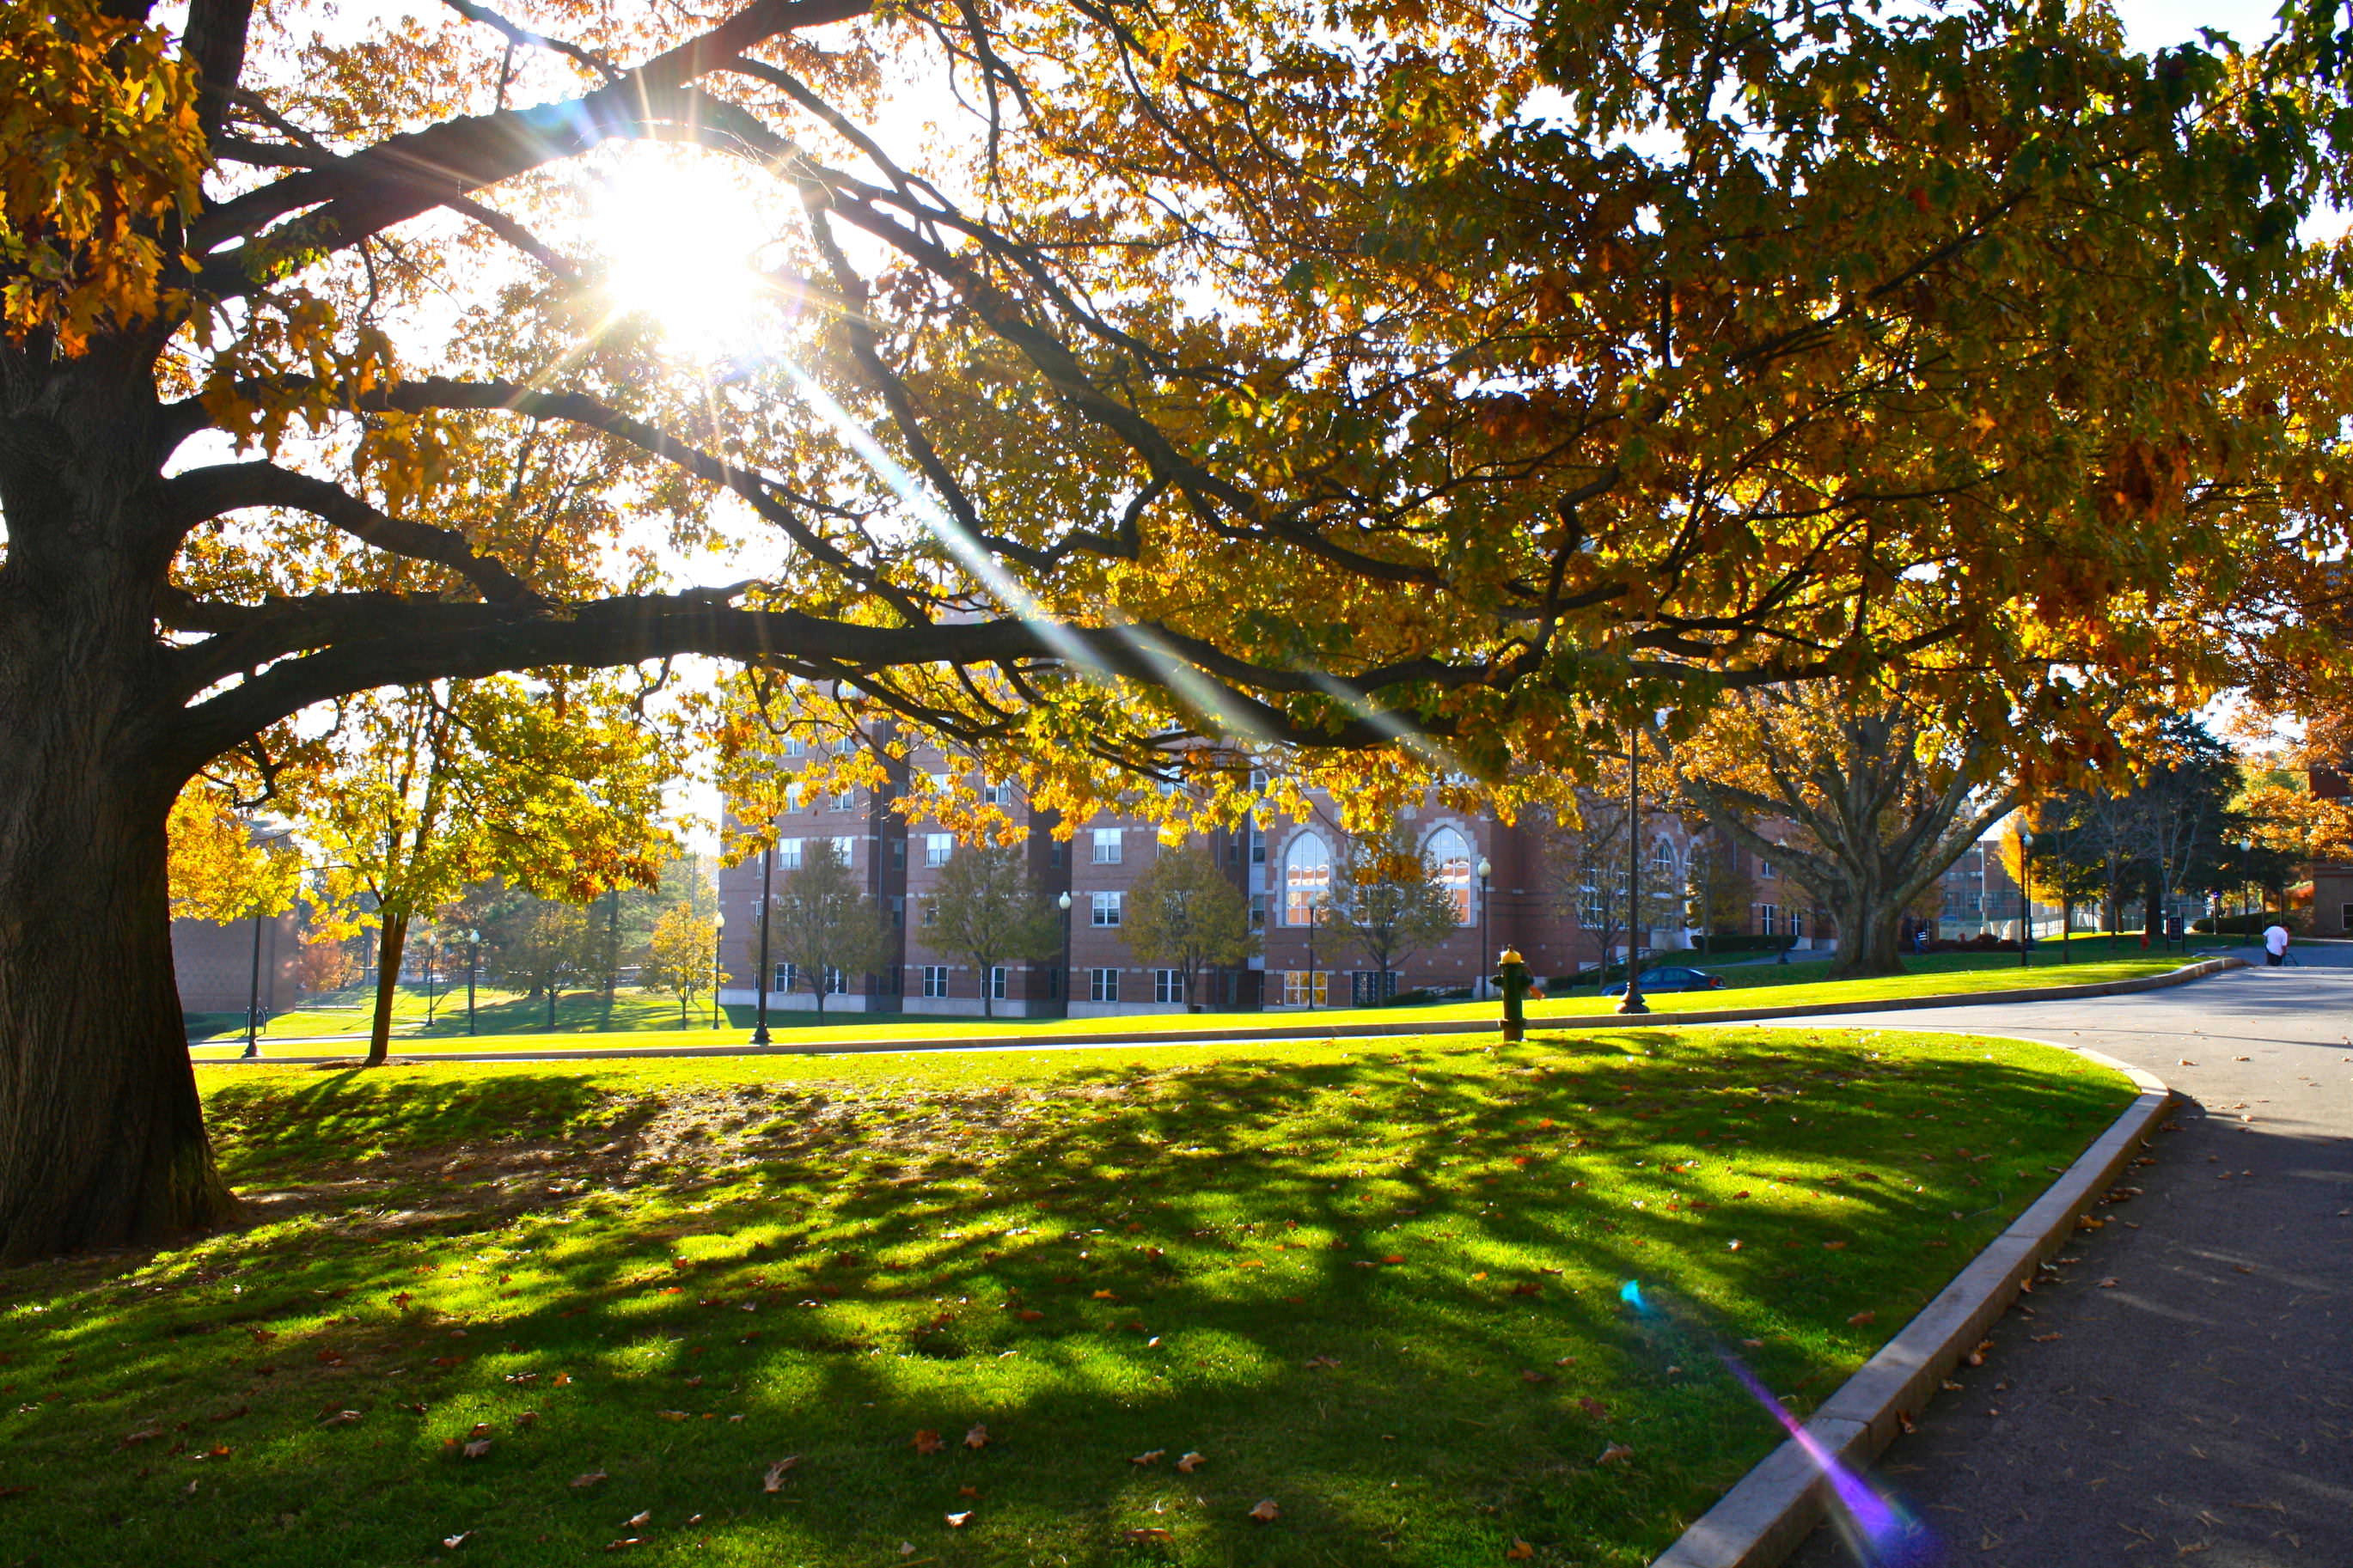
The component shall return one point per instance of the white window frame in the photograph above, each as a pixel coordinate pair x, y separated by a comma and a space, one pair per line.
1107, 847
998, 976
1768, 916
937, 849
1169, 986
788, 853
1107, 912
1298, 985
936, 980
1103, 984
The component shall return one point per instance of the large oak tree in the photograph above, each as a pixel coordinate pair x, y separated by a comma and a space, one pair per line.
1411, 384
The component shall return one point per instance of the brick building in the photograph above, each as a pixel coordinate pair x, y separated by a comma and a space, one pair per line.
215, 964
1280, 867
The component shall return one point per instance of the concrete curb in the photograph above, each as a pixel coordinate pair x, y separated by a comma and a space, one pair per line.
1775, 1506
2181, 976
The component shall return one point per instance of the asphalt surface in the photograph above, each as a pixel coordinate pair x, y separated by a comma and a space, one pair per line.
2181, 1390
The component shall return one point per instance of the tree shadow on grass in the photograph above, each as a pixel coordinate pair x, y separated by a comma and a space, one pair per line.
1381, 1290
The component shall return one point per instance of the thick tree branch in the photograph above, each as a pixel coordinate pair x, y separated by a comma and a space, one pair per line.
209, 492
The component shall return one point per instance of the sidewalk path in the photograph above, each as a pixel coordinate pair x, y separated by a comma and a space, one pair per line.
2199, 1408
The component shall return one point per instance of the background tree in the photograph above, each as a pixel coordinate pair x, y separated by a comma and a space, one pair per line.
322, 963
985, 910
1883, 799
1385, 901
1166, 439
1586, 850
822, 922
439, 786
1718, 888
1184, 913
543, 947
681, 955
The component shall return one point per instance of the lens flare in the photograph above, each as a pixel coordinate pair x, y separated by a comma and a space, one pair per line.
1877, 1529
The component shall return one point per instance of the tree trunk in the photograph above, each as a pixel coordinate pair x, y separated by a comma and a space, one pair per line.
101, 1135
551, 1007
988, 991
1870, 938
391, 943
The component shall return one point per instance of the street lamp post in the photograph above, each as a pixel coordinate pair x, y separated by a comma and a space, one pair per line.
1632, 1001
253, 996
1479, 978
2025, 895
473, 969
760, 981
1069, 979
718, 970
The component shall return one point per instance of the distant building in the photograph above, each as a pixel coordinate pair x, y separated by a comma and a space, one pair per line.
1279, 868
215, 964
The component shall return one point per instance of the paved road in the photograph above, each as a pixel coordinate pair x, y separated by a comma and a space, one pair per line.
2200, 1408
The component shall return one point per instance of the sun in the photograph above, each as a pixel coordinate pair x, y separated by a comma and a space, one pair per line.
681, 236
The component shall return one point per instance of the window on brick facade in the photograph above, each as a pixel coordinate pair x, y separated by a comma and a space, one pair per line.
788, 853
937, 847
1306, 879
1103, 984
1107, 847
998, 976
1108, 908
1769, 919
1168, 986
936, 980
1448, 854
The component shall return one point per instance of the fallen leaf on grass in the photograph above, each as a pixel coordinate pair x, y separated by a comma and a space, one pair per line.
528, 1418
148, 1435
1520, 1552
1322, 1361
331, 1418
1264, 1510
977, 1437
590, 1479
672, 1415
773, 1481
625, 1543
1532, 1375
1834, 1246
927, 1442
1150, 1457
639, 1521
2108, 1284
1592, 1407
1191, 1463
1860, 1318
1616, 1454
959, 1521
476, 1449
1150, 1533
969, 1491
1029, 1314
455, 1542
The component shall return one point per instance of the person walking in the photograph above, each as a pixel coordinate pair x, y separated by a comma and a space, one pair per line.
2275, 945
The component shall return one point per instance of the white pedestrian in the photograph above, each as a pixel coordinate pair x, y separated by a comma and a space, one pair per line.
2275, 945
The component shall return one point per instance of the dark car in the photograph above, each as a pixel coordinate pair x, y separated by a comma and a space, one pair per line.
1673, 977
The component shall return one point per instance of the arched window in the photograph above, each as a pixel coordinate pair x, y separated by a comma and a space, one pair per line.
1306, 879
1448, 854
1665, 871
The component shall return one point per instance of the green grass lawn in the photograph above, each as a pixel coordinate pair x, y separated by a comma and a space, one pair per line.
2090, 960
1377, 1283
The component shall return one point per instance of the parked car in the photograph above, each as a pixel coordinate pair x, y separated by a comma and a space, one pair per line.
1673, 977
